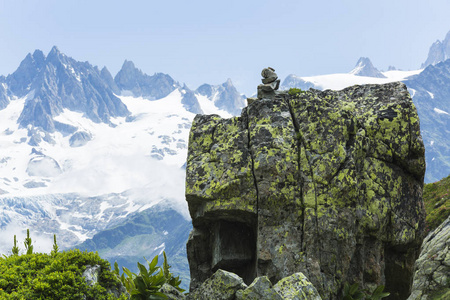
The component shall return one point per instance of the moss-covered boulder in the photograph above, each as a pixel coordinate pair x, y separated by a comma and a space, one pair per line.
432, 276
222, 285
324, 183
296, 287
260, 289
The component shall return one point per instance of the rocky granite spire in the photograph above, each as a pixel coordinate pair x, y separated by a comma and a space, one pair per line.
139, 84
364, 67
324, 183
56, 82
439, 51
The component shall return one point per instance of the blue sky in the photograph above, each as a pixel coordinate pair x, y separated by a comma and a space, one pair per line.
209, 41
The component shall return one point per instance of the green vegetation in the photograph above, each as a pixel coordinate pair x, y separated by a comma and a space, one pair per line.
15, 249
295, 91
436, 197
58, 275
354, 293
28, 243
146, 285
55, 246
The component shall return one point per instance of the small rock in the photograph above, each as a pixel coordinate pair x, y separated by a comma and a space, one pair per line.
222, 285
171, 292
91, 274
296, 287
260, 289
79, 139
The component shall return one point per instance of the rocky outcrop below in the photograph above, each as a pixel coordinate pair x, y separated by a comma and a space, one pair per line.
328, 184
223, 285
432, 277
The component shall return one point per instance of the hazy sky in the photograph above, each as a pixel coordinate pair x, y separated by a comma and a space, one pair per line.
209, 41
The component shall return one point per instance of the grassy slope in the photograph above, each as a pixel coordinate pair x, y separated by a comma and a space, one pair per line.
437, 202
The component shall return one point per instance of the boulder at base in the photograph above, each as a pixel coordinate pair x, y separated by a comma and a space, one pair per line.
324, 183
432, 277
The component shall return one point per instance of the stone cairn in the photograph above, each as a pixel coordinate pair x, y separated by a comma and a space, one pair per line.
270, 83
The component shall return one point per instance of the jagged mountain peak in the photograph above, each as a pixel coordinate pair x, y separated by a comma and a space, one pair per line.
439, 51
109, 80
228, 83
364, 67
132, 79
60, 82
224, 96
128, 65
54, 54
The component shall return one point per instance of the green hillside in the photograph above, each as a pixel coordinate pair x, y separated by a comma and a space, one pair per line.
437, 202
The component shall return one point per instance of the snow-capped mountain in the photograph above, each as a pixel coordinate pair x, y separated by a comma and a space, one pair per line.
83, 153
439, 51
342, 80
224, 96
431, 94
364, 67
58, 82
131, 79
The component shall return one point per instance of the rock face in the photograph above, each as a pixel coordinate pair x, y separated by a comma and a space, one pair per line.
324, 183
432, 277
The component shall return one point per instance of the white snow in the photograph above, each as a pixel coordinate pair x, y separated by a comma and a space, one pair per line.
342, 80
208, 107
431, 143
440, 111
431, 94
118, 159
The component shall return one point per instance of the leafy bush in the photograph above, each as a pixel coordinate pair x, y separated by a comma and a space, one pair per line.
53, 276
146, 285
295, 91
354, 293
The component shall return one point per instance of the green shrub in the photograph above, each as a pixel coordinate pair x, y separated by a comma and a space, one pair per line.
54, 276
146, 284
295, 91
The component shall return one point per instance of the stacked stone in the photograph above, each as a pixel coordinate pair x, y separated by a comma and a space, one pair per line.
270, 83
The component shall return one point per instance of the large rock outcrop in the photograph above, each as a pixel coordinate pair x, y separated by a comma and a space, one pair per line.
324, 183
432, 277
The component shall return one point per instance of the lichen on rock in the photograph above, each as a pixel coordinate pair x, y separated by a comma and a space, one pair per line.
324, 183
432, 276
